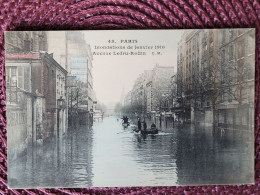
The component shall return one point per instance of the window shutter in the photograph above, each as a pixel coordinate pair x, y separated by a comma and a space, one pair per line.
27, 79
21, 77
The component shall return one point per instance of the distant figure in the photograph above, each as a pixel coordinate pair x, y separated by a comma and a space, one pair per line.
144, 125
160, 118
125, 119
139, 125
222, 131
153, 126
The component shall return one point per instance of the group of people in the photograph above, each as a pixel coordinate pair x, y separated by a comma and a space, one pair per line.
139, 125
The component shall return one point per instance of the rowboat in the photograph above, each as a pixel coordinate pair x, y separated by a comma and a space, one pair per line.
149, 131
125, 124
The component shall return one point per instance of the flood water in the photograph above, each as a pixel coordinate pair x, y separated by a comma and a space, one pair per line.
109, 155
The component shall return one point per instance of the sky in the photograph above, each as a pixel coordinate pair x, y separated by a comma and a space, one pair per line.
115, 74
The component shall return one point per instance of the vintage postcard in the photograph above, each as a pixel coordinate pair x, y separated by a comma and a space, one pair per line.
130, 107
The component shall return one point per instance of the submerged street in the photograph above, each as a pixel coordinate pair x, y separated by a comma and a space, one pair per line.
65, 106
108, 154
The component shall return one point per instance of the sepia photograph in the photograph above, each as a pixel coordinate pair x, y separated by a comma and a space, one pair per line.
118, 108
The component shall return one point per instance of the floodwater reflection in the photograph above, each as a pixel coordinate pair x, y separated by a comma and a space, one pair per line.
109, 155
66, 162
187, 155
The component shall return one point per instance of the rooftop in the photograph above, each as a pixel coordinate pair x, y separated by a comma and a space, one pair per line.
23, 56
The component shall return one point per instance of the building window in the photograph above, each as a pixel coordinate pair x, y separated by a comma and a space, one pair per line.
229, 98
53, 78
15, 77
15, 80
222, 96
11, 76
20, 83
27, 43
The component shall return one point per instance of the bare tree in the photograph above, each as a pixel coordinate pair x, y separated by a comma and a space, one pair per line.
207, 82
77, 96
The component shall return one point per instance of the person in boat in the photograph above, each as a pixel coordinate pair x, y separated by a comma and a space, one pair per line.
139, 125
144, 126
125, 119
153, 126
160, 118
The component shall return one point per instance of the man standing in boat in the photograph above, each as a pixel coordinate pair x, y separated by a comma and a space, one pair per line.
144, 126
125, 120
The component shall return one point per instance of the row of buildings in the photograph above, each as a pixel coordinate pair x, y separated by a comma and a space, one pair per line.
70, 48
213, 85
45, 85
152, 93
216, 78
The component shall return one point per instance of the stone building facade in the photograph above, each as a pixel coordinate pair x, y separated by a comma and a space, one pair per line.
196, 67
152, 93
52, 87
237, 61
21, 104
139, 93
71, 50
25, 42
160, 90
208, 74
32, 92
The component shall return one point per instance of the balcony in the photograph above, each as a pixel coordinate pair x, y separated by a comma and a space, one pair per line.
16, 96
